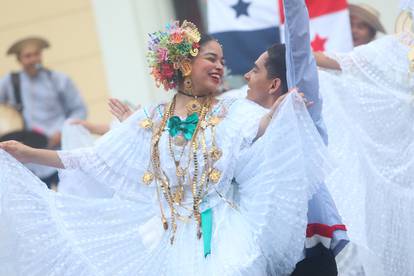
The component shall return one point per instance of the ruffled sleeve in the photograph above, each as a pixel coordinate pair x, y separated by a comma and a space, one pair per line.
276, 177
118, 158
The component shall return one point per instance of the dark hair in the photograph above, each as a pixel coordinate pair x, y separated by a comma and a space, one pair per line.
206, 38
276, 64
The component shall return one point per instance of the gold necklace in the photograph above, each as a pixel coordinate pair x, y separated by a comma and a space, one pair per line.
198, 184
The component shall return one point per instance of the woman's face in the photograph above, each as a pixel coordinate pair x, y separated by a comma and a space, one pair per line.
207, 69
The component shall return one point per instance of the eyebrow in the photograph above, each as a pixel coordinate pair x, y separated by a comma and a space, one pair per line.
210, 53
214, 55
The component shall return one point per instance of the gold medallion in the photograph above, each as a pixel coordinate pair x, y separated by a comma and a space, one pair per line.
215, 153
148, 177
193, 106
214, 120
178, 196
179, 172
147, 123
179, 140
215, 175
203, 124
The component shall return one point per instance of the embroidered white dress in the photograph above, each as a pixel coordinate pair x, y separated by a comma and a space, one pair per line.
48, 233
369, 114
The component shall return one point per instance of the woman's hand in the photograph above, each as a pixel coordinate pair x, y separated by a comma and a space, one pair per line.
120, 110
26, 154
18, 150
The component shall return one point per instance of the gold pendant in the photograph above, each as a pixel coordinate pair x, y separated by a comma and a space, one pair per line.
178, 196
147, 123
179, 140
179, 172
203, 124
215, 153
214, 120
164, 224
193, 106
147, 178
214, 175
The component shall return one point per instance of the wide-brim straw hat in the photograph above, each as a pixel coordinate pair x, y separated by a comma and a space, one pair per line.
17, 47
404, 22
368, 14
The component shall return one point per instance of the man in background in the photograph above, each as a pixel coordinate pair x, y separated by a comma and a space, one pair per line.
44, 98
365, 23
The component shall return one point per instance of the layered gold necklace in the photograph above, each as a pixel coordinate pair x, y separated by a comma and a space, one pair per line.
182, 134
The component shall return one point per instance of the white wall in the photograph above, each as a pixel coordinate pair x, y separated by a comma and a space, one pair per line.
389, 10
123, 27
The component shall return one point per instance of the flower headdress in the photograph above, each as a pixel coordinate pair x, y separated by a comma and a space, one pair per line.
170, 51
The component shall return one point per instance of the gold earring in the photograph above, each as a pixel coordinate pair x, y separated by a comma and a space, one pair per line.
188, 85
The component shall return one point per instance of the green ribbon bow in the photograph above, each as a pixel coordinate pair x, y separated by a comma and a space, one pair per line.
186, 127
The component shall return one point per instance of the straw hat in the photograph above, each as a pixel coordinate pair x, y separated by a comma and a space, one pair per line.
404, 22
17, 47
368, 14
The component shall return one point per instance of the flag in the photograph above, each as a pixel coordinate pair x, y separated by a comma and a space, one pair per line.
330, 27
245, 28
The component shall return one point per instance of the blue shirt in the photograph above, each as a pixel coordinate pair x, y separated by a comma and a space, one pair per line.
48, 98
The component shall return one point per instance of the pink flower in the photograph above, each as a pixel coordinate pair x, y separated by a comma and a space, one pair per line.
162, 54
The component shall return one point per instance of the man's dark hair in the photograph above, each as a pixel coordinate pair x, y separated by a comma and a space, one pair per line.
276, 64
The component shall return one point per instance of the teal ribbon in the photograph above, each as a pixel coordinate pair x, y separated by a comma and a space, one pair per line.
206, 228
186, 127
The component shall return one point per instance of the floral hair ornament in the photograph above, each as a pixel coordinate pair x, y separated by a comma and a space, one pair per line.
171, 50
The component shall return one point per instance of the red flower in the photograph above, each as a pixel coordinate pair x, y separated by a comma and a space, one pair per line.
167, 70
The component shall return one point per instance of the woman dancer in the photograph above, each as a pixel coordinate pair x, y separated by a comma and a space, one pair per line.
170, 167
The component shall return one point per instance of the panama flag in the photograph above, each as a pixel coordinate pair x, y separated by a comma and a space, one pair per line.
329, 25
245, 28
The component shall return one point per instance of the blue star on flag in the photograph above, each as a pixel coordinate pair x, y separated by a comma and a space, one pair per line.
241, 8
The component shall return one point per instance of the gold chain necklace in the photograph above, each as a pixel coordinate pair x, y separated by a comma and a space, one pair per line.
198, 182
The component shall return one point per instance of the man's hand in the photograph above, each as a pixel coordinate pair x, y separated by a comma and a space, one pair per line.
120, 110
18, 150
54, 140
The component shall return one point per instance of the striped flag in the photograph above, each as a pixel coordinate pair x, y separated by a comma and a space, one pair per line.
329, 25
245, 28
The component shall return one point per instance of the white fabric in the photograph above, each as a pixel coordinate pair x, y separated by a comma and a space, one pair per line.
76, 183
407, 5
47, 233
369, 115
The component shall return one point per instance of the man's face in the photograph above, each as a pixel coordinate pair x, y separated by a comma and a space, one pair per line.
258, 82
361, 32
29, 56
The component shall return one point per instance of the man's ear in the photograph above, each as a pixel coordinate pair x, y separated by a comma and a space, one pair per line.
275, 86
